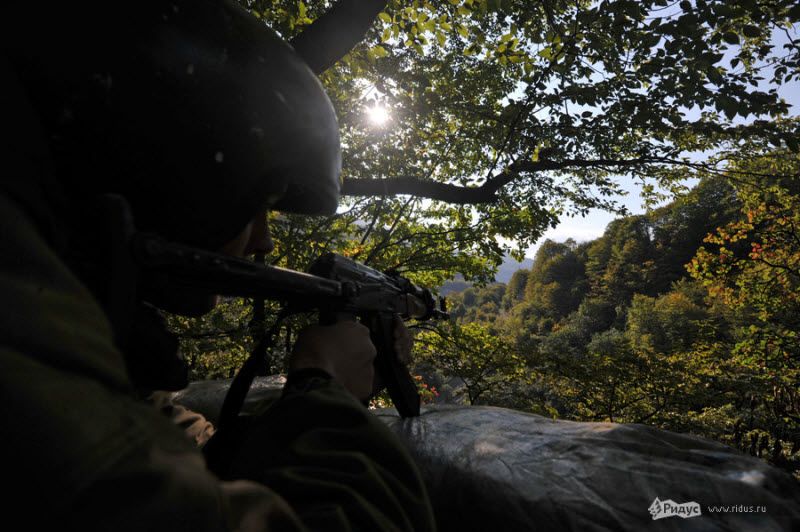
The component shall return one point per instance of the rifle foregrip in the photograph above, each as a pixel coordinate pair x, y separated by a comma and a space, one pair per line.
395, 375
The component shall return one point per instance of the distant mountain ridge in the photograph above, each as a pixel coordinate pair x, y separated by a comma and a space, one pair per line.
504, 273
510, 266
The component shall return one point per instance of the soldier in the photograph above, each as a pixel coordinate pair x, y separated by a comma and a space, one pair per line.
203, 120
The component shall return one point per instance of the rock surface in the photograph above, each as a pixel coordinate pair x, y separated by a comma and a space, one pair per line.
206, 397
497, 469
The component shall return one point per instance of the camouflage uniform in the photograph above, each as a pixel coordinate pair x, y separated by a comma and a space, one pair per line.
83, 452
99, 108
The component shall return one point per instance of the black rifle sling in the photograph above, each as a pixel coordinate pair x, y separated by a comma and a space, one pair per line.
237, 393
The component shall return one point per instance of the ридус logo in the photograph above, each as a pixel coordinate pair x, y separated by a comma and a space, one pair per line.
669, 508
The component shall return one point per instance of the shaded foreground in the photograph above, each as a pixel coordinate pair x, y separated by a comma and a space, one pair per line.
495, 468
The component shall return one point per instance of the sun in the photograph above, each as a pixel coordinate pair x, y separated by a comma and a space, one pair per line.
378, 115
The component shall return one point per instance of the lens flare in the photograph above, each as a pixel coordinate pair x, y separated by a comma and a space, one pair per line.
378, 115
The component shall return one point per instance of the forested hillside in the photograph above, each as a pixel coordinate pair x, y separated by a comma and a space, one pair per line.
685, 318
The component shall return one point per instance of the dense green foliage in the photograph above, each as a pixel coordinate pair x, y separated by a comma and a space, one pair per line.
686, 318
510, 113
486, 365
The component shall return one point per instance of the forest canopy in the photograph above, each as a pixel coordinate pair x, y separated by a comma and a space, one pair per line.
511, 114
686, 318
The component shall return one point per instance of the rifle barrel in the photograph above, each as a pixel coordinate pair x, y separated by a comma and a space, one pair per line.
229, 276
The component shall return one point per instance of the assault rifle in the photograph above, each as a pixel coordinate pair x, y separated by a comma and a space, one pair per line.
337, 287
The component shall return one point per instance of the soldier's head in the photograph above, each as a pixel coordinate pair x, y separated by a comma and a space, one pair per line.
193, 110
197, 113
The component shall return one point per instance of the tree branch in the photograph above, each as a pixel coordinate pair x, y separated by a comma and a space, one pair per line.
485, 193
334, 34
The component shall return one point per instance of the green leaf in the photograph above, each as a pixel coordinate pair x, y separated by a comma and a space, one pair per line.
379, 51
631, 9
714, 75
528, 68
730, 37
652, 40
385, 17
729, 106
751, 31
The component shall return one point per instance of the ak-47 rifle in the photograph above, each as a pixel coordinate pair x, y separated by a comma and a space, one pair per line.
337, 287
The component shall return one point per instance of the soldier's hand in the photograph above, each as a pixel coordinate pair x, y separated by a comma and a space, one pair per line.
344, 350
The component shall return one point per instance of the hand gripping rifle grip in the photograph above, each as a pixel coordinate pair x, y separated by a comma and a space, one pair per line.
390, 371
401, 387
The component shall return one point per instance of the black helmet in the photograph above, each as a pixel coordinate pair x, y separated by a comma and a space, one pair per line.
193, 110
